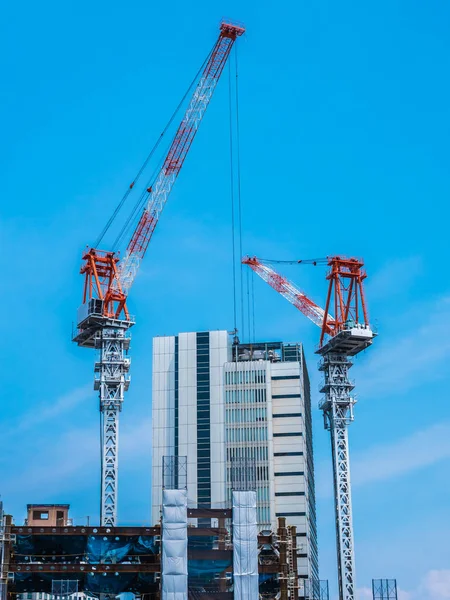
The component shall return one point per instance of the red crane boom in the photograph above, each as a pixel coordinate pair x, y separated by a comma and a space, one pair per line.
157, 196
287, 289
109, 279
346, 278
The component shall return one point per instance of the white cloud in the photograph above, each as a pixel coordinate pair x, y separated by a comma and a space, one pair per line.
71, 461
400, 457
365, 593
67, 402
395, 277
435, 586
386, 461
417, 356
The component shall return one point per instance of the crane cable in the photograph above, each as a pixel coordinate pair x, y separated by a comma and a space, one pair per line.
149, 157
308, 261
138, 206
235, 192
238, 173
233, 241
140, 203
253, 305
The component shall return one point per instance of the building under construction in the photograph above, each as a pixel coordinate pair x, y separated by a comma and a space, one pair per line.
61, 559
241, 414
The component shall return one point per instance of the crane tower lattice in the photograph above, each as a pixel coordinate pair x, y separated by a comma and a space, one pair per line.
342, 336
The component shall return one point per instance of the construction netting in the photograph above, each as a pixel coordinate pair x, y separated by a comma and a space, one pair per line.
90, 550
245, 546
174, 570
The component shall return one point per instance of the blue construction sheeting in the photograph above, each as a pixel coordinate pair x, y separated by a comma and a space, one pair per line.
89, 550
92, 549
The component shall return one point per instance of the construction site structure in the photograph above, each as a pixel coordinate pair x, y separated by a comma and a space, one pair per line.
384, 589
342, 336
103, 319
113, 560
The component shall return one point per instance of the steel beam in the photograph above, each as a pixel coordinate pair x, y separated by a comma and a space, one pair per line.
154, 567
86, 531
210, 513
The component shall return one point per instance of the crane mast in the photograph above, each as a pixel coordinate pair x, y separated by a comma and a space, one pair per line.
103, 318
342, 336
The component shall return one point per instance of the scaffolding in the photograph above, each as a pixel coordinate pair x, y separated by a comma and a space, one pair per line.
384, 589
316, 589
107, 561
174, 472
291, 546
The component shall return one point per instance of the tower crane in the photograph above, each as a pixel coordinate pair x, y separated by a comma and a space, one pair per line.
103, 318
342, 336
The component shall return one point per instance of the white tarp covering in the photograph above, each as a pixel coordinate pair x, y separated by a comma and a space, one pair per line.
245, 546
174, 545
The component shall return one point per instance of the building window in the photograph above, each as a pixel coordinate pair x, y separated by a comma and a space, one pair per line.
286, 396
288, 454
295, 434
291, 514
289, 493
40, 515
289, 473
286, 415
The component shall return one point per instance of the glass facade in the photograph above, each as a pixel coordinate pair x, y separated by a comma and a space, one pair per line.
246, 432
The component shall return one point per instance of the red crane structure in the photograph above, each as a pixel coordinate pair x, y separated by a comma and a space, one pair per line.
103, 318
343, 335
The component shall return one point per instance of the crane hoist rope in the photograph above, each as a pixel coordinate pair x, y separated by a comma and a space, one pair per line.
149, 157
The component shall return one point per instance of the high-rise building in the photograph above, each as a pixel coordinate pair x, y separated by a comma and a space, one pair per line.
188, 413
238, 411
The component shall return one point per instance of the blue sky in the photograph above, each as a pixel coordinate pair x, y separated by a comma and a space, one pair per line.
345, 119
